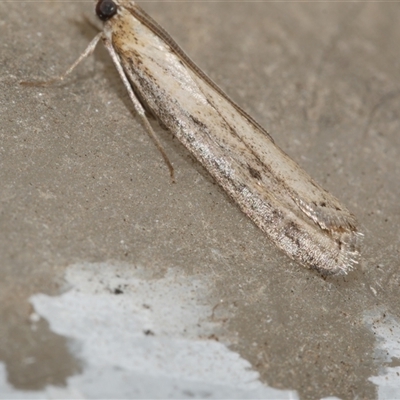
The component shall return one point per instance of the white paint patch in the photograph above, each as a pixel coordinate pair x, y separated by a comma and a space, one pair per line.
142, 337
387, 331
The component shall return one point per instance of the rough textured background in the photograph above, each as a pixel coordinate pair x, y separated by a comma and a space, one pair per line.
81, 181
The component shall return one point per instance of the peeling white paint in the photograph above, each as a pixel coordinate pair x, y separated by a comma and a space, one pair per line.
142, 337
387, 331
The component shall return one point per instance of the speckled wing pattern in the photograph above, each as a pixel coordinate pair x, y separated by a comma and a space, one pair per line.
300, 217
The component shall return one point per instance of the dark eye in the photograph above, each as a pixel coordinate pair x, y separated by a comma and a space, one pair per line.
105, 9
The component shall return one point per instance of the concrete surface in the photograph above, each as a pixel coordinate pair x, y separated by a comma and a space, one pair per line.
115, 283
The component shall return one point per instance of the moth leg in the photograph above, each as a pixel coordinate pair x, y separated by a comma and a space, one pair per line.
138, 106
89, 50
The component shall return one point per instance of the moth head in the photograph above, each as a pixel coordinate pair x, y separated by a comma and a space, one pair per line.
106, 9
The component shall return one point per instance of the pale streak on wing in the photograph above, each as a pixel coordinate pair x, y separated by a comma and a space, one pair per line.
268, 186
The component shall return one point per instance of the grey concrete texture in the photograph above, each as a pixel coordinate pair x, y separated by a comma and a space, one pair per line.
80, 181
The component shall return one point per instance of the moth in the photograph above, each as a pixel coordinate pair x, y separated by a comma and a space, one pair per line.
299, 216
